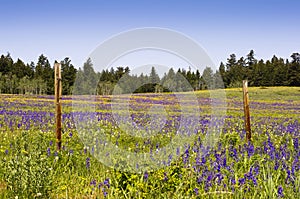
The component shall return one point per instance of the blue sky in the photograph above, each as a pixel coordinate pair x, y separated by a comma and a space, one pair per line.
69, 28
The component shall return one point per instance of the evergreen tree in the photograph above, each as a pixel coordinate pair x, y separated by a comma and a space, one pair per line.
222, 72
257, 73
154, 78
251, 60
68, 74
294, 70
218, 81
207, 76
231, 61
168, 81
6, 63
44, 72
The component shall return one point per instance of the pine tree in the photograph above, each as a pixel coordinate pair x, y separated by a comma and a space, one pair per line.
68, 74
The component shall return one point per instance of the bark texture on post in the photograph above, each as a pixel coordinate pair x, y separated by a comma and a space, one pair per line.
246, 110
58, 89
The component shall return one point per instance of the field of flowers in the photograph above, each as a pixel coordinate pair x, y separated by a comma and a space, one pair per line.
267, 167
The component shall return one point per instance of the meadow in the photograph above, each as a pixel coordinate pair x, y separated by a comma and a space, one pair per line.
267, 167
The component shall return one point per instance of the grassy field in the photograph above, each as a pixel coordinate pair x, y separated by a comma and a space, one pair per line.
268, 167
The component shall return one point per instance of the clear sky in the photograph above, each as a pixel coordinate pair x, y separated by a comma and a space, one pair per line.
70, 28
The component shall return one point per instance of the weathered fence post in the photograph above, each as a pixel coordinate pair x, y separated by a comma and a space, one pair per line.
246, 110
57, 78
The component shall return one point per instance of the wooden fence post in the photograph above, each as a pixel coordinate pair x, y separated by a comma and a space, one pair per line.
246, 110
58, 89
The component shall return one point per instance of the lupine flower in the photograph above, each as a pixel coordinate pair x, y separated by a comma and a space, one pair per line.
254, 181
104, 193
289, 176
250, 150
199, 180
296, 144
178, 151
93, 183
165, 176
170, 159
196, 190
242, 181
186, 156
234, 153
203, 160
146, 176
280, 191
106, 182
224, 162
276, 166
208, 182
87, 163
233, 182
6, 151
256, 170
218, 167
48, 151
220, 177
209, 178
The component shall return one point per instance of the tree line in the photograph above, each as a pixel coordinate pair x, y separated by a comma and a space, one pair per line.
17, 77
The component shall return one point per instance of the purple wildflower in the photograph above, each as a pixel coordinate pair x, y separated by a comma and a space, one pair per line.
100, 185
106, 182
224, 162
256, 170
177, 151
254, 181
296, 144
93, 183
242, 181
203, 160
87, 163
186, 156
104, 193
196, 190
276, 166
250, 150
48, 151
199, 180
280, 191
165, 176
146, 175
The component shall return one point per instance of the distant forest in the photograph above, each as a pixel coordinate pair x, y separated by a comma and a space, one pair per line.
17, 77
